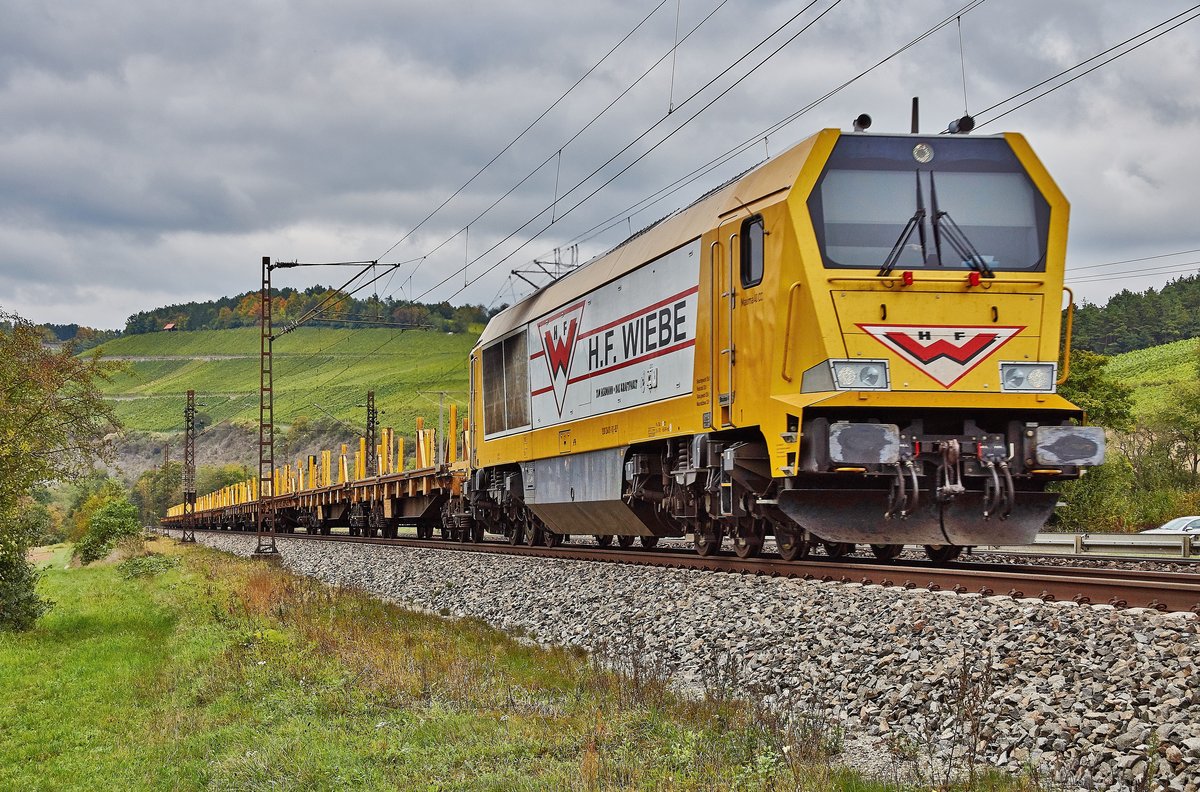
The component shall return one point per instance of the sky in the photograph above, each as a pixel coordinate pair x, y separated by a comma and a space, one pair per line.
152, 153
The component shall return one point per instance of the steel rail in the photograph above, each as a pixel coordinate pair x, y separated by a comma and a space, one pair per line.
1161, 591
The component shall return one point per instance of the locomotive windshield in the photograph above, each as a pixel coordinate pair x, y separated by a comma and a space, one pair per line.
951, 202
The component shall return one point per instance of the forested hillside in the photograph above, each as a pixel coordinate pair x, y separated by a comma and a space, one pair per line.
1137, 320
288, 305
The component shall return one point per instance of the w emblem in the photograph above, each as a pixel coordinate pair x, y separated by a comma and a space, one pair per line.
947, 353
558, 334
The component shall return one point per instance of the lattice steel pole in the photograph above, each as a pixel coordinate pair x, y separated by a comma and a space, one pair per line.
265, 511
189, 468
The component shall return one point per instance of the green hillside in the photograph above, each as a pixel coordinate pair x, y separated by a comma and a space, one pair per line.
1153, 371
318, 373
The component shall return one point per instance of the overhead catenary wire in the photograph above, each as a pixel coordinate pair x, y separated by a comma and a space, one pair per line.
1152, 272
525, 131
774, 128
465, 230
641, 137
729, 154
1065, 83
1071, 270
575, 136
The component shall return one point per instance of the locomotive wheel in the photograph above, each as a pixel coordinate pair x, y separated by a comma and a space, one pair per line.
625, 542
707, 541
887, 552
604, 540
838, 549
791, 546
649, 542
477, 533
943, 553
747, 546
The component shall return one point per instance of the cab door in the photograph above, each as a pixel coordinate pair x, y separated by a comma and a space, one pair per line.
724, 252
737, 265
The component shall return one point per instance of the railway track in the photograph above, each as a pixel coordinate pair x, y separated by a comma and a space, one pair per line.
1121, 588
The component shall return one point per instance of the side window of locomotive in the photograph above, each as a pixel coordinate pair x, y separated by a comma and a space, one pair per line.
516, 381
506, 385
753, 238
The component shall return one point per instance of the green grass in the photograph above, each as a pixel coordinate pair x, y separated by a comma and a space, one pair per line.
1153, 371
317, 372
222, 673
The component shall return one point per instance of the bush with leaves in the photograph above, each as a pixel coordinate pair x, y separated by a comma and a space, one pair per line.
114, 521
20, 606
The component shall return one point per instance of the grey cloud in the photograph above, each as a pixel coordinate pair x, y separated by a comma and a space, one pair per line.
141, 144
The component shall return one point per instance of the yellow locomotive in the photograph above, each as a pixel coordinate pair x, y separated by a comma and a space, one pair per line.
855, 342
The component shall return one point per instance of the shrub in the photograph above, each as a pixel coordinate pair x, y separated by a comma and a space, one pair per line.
146, 566
112, 522
20, 606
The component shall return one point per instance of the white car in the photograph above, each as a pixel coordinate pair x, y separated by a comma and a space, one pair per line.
1180, 526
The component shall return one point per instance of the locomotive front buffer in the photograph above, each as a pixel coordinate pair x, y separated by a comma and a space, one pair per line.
967, 487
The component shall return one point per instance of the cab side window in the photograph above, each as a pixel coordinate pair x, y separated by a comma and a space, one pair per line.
753, 237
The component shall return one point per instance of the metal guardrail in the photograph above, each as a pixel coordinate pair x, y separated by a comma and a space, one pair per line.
1182, 546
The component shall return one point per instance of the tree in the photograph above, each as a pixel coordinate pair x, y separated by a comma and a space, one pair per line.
156, 490
53, 425
1104, 400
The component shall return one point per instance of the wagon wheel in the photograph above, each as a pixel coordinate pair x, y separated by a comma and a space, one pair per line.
837, 549
625, 542
604, 540
943, 553
748, 539
707, 539
517, 532
791, 546
747, 546
887, 552
649, 542
551, 539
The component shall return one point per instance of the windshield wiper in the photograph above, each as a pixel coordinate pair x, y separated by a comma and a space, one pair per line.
944, 225
916, 221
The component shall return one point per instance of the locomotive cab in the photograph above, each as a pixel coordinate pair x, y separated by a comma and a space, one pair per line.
932, 416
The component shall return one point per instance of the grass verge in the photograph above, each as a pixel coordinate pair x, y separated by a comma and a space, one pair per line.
206, 671
191, 669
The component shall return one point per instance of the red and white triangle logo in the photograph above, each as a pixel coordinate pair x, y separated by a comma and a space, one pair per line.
945, 352
558, 333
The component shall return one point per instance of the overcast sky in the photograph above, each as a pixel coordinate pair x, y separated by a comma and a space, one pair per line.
152, 153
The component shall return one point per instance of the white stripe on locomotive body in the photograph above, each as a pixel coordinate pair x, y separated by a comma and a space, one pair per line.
627, 343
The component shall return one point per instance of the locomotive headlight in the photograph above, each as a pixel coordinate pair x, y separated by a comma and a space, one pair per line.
860, 374
1027, 377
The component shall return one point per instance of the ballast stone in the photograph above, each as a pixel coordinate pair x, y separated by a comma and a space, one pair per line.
1095, 697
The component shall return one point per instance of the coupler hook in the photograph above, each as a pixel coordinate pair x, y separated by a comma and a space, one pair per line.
948, 473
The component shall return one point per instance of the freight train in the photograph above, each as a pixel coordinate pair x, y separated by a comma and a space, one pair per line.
856, 342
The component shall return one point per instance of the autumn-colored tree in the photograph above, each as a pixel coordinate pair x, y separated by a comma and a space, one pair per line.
53, 425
